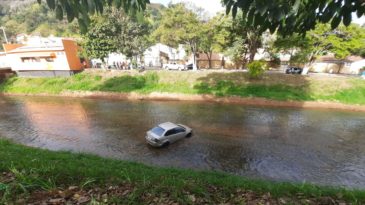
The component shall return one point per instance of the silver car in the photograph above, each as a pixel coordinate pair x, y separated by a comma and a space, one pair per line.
167, 133
174, 66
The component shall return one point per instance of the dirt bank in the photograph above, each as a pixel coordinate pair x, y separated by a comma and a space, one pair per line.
204, 98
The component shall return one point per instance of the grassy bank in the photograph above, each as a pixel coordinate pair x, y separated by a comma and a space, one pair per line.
29, 175
276, 86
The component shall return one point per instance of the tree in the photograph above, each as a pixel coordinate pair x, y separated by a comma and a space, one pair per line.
131, 36
99, 41
180, 26
214, 38
114, 31
289, 44
342, 42
295, 16
360, 52
81, 9
245, 39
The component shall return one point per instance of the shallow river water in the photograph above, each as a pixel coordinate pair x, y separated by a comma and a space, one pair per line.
320, 146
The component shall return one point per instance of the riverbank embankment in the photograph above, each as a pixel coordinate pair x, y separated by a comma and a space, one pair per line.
36, 176
273, 89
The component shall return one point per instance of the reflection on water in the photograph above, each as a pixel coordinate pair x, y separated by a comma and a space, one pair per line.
319, 146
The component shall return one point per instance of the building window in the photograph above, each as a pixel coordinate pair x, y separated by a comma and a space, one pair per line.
37, 59
49, 59
28, 59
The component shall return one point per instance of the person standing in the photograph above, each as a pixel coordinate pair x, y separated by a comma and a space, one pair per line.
84, 64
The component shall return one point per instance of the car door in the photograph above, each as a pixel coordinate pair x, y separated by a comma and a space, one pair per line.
180, 133
174, 134
170, 135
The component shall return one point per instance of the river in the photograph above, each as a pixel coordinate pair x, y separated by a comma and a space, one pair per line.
324, 147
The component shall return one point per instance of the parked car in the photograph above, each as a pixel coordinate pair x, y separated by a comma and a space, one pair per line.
294, 70
166, 133
189, 66
174, 66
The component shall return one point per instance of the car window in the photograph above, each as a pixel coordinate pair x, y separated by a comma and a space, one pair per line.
170, 132
180, 129
158, 131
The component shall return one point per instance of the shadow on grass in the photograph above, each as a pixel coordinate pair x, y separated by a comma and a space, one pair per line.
6, 82
274, 86
128, 83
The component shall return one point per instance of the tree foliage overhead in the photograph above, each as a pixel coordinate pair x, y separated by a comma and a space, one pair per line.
81, 9
295, 16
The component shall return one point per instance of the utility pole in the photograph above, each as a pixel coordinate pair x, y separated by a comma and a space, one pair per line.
6, 39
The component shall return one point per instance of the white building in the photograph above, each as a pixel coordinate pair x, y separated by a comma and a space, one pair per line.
329, 64
353, 65
55, 57
35, 40
158, 54
4, 63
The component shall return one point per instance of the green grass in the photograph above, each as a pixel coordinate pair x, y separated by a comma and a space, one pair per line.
349, 90
37, 169
276, 92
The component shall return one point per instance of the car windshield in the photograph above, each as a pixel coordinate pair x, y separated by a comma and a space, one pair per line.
158, 131
182, 127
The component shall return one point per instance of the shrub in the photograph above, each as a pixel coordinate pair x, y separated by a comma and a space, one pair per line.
151, 79
275, 60
79, 76
97, 78
256, 69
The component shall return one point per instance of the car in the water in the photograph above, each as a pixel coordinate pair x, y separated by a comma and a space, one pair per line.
167, 133
294, 70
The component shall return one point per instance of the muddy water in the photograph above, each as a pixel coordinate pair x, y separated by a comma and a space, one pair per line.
319, 146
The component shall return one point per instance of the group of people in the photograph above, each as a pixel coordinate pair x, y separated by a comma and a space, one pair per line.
121, 65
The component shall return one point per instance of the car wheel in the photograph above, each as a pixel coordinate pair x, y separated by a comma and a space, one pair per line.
166, 144
189, 135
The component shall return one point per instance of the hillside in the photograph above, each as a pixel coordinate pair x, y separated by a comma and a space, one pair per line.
14, 3
40, 20
34, 18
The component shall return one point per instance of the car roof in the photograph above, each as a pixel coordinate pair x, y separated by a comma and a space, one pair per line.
167, 125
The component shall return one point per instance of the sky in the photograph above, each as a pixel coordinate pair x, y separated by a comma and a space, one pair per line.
214, 6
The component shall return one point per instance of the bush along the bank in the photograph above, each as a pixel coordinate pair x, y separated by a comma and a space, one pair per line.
256, 69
